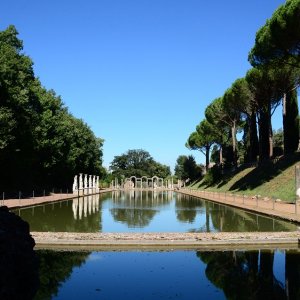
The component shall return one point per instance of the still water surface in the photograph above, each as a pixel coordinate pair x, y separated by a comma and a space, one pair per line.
137, 211
170, 275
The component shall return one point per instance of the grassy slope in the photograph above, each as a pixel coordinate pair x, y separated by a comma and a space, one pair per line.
270, 180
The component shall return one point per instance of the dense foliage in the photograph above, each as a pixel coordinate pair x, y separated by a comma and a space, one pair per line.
248, 105
137, 163
279, 39
186, 168
41, 143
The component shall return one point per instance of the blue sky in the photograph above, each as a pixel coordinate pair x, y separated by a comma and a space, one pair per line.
140, 73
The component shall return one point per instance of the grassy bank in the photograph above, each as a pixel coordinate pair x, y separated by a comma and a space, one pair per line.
274, 179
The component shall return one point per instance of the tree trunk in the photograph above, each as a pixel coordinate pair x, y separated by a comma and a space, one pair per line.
270, 133
264, 146
290, 122
251, 139
234, 147
207, 157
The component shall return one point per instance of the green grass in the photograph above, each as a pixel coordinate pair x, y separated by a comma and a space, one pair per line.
275, 180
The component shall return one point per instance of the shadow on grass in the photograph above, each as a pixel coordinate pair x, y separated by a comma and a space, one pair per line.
220, 180
265, 172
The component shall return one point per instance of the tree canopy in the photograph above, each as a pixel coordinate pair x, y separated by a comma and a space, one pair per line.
138, 162
41, 143
187, 168
279, 38
202, 139
248, 105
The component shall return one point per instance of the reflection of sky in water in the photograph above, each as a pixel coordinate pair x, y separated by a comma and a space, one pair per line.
179, 274
140, 275
279, 271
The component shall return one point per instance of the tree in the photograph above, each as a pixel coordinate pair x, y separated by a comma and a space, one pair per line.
137, 163
214, 114
202, 139
187, 168
278, 43
232, 118
180, 171
278, 142
17, 110
41, 143
286, 78
262, 85
279, 39
239, 101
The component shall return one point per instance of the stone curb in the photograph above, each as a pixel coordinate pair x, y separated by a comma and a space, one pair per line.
204, 241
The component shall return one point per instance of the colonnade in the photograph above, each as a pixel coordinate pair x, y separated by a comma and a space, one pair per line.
145, 182
139, 196
85, 184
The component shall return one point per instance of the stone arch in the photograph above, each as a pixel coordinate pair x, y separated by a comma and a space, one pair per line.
146, 186
133, 179
155, 180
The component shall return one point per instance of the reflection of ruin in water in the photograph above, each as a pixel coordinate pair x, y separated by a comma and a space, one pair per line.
77, 215
142, 198
137, 208
85, 206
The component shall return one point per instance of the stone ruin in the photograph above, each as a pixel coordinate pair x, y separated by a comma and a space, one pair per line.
85, 184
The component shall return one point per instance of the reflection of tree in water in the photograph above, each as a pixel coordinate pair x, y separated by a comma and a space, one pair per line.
292, 274
55, 267
77, 215
186, 208
243, 275
133, 217
225, 218
136, 208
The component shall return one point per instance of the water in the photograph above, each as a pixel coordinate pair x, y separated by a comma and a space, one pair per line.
170, 275
137, 211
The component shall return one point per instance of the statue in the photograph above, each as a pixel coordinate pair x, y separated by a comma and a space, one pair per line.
94, 181
75, 185
80, 182
90, 183
97, 183
85, 181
